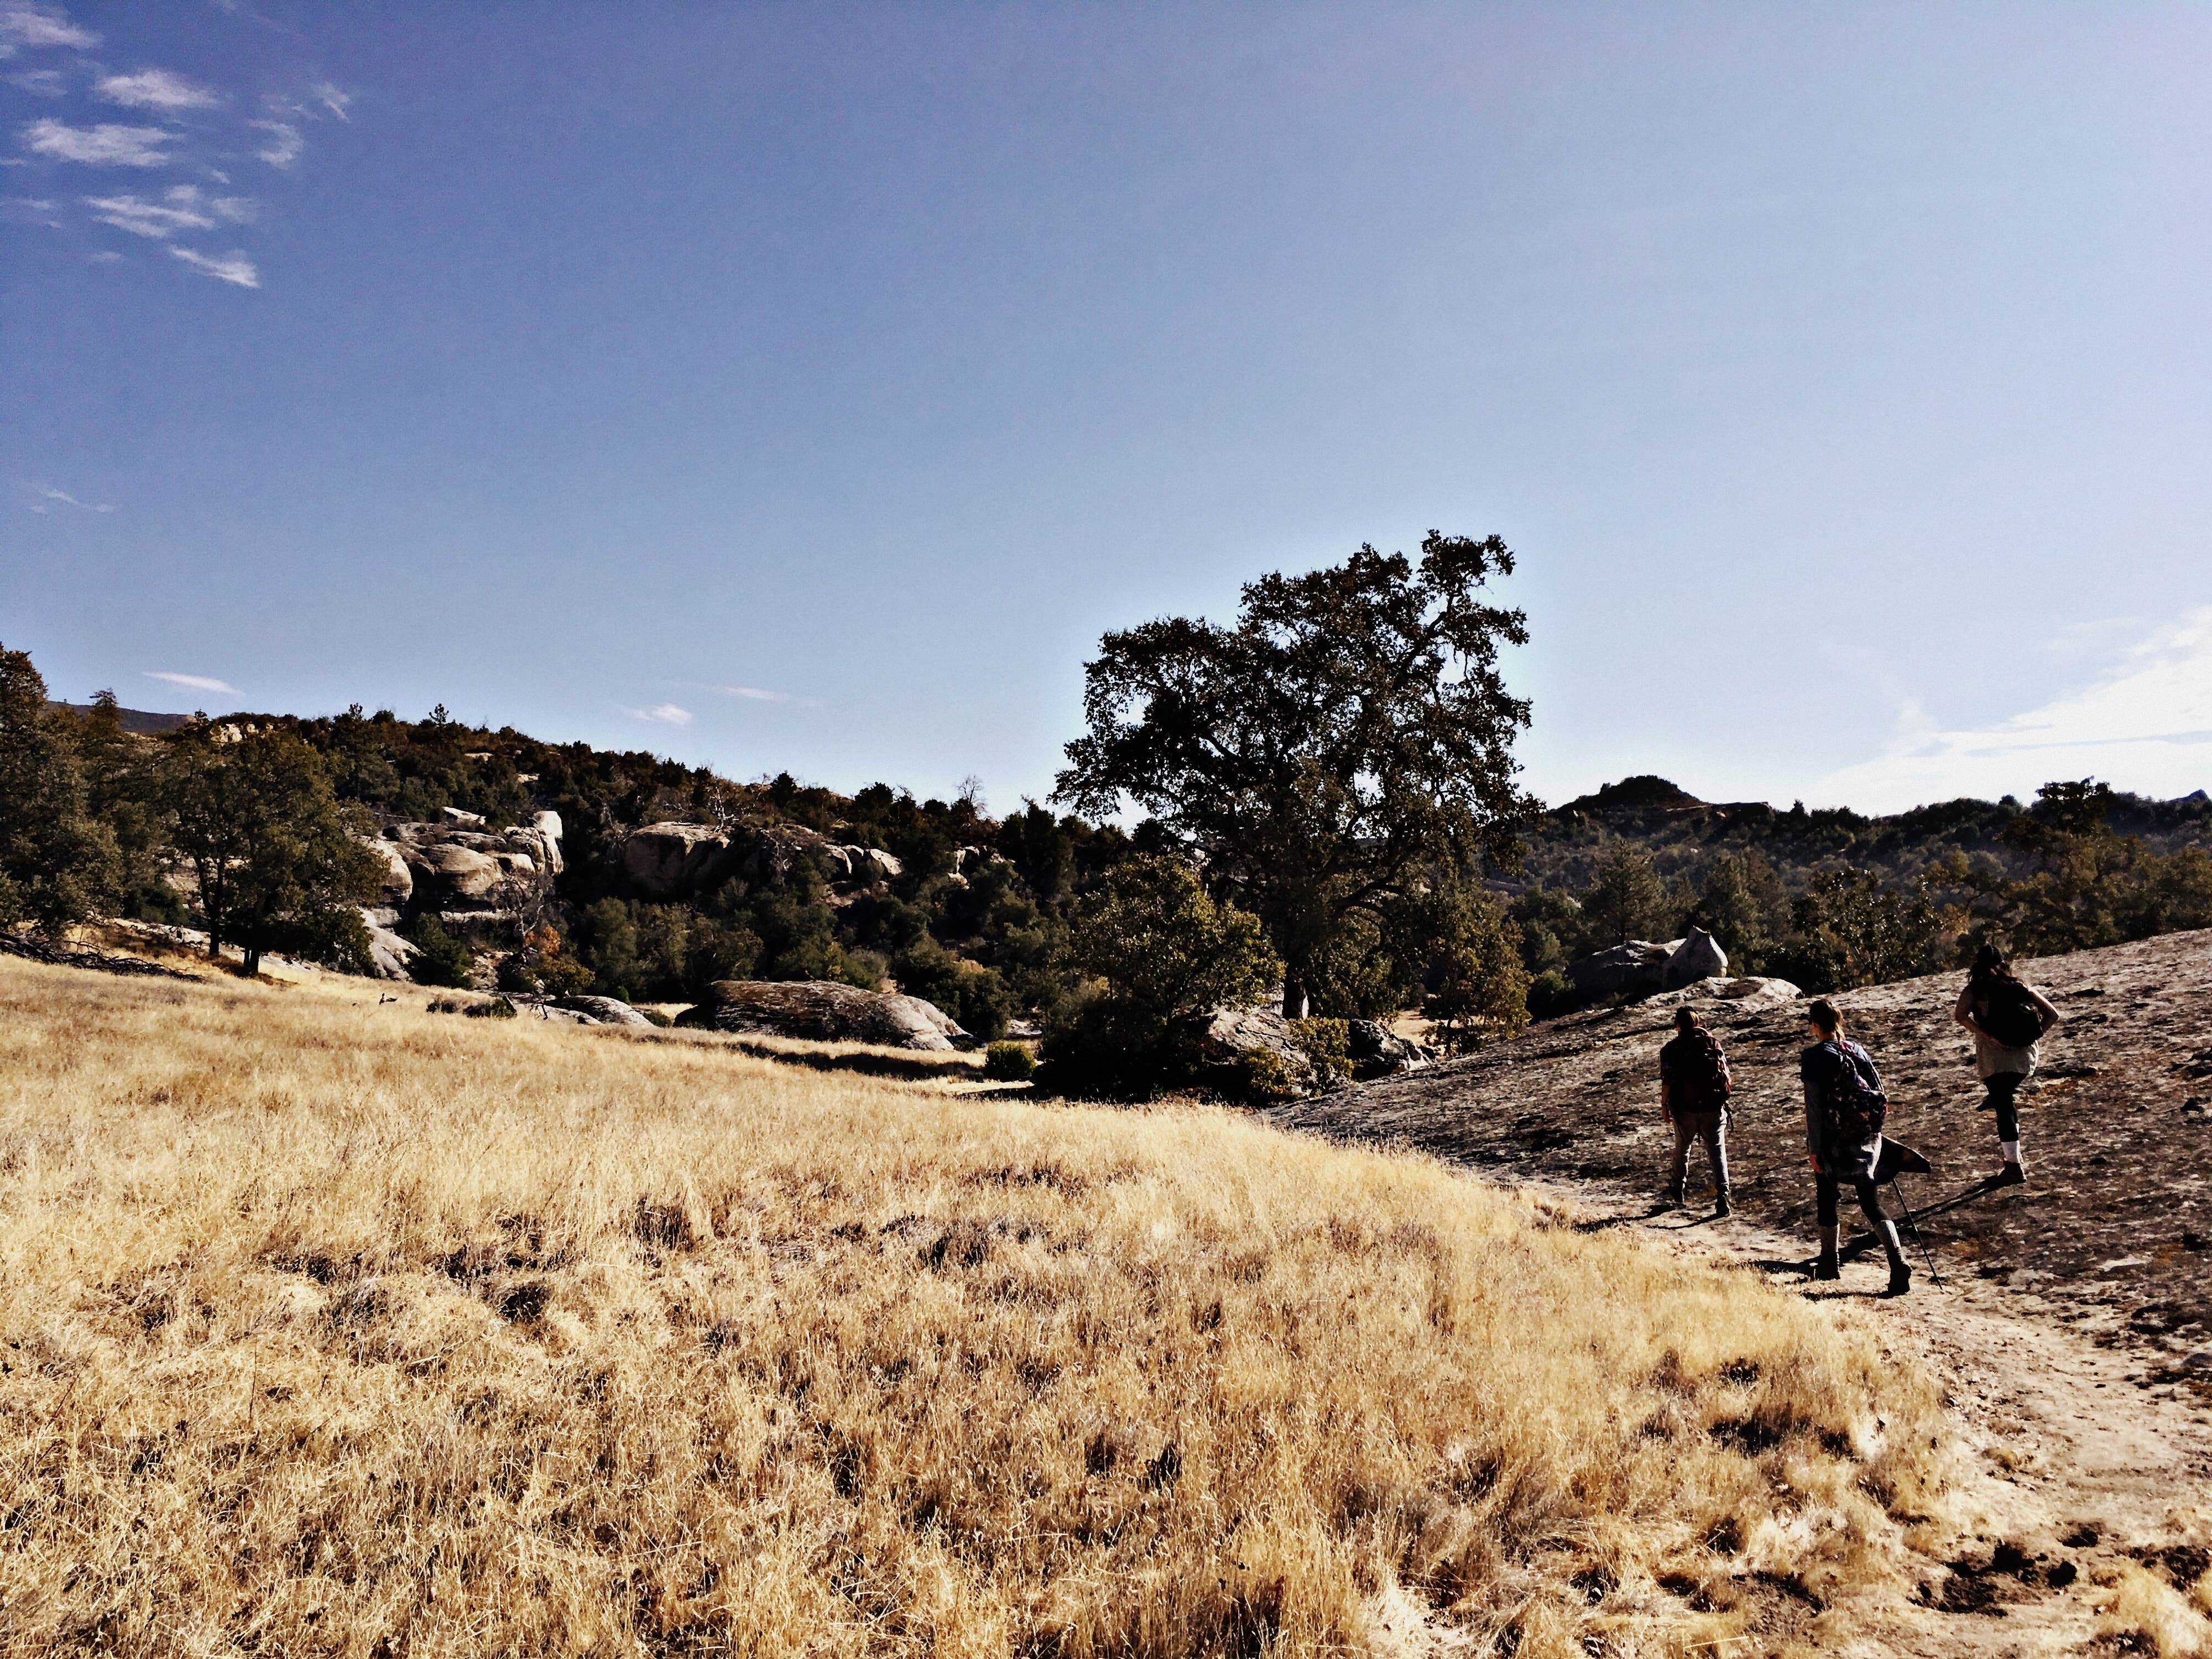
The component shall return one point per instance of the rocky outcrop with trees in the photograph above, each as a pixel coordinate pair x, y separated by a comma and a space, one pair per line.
1333, 776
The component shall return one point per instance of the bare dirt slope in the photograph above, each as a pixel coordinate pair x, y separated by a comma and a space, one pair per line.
2073, 1316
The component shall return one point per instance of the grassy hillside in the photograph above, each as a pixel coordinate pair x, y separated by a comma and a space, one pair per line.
333, 1328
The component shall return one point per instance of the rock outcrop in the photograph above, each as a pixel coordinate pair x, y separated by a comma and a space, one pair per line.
602, 1011
1698, 957
675, 861
1232, 1033
390, 956
396, 881
1636, 968
823, 1013
1377, 1051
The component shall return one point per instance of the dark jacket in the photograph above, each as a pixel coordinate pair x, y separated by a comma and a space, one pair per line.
1819, 1068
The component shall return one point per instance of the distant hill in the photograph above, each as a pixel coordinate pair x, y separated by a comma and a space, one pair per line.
141, 721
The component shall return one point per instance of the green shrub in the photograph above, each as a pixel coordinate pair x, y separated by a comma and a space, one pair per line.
1264, 1078
657, 1018
1162, 955
1008, 1062
441, 959
1550, 993
1327, 1044
497, 1008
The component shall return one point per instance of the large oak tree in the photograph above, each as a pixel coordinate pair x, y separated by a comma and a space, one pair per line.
1323, 759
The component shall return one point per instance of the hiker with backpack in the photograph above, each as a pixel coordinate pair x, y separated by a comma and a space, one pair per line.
2008, 1018
1845, 1111
1693, 1093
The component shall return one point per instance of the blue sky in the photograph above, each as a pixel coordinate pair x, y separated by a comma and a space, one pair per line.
809, 387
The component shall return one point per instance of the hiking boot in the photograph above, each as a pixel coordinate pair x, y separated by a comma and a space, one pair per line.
2008, 1174
1721, 1207
1900, 1270
1671, 1199
1825, 1267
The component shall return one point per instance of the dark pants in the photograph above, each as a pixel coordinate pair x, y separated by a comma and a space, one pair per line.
1827, 1189
1711, 1127
2002, 1088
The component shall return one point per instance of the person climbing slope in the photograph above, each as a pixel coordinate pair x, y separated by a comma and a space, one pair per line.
1693, 1094
1845, 1111
2008, 1018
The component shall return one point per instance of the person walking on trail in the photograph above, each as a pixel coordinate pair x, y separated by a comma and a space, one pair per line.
1845, 1111
1693, 1093
2009, 1020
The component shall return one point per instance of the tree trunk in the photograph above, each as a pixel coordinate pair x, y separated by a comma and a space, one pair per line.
1296, 1001
252, 953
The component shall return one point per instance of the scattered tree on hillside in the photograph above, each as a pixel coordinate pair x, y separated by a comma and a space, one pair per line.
1744, 905
274, 851
58, 864
2088, 885
1350, 735
1481, 989
1852, 928
1625, 897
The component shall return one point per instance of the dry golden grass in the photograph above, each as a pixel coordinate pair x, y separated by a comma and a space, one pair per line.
327, 1328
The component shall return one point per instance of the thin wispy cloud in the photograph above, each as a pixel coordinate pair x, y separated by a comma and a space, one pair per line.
2146, 726
666, 713
29, 210
204, 128
47, 498
189, 682
184, 208
233, 267
155, 89
105, 145
32, 26
754, 694
284, 144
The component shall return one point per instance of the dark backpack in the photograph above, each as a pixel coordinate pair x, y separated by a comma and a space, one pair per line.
1857, 1108
1701, 1075
2009, 1012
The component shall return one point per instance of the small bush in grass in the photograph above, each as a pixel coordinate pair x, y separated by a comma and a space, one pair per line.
1008, 1062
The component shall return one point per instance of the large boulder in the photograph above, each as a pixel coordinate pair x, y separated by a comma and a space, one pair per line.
1636, 968
1378, 1051
548, 826
1698, 957
395, 881
823, 1012
669, 860
390, 956
1743, 994
602, 1011
1230, 1034
458, 877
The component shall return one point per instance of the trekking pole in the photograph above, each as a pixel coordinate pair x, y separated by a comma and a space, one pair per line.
1897, 1186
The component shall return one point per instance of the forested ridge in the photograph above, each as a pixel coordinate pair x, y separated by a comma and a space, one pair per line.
1324, 796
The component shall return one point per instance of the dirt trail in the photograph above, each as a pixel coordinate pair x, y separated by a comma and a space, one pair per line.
2077, 1463
2072, 1318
